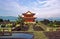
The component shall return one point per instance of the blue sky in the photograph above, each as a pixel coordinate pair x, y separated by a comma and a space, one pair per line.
42, 8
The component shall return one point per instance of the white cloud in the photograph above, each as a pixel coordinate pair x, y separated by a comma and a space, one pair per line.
50, 9
43, 9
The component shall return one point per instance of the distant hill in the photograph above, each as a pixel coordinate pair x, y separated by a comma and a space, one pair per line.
40, 19
51, 19
12, 18
54, 18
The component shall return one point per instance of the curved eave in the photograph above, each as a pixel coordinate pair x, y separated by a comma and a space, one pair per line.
29, 17
28, 14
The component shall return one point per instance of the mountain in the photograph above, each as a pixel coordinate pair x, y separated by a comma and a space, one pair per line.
54, 18
40, 19
11, 18
51, 19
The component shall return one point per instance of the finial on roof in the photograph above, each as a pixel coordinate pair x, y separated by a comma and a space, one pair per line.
28, 12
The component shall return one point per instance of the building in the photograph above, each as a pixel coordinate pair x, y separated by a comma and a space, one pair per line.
29, 17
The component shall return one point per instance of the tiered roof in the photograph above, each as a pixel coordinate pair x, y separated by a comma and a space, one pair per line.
28, 13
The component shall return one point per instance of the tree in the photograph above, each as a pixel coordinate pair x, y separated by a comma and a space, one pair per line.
1, 20
46, 21
8, 20
57, 22
20, 19
36, 21
2, 25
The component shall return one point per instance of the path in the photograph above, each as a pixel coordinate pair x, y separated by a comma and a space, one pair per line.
44, 27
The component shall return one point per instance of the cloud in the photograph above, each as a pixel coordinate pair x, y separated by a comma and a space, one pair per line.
51, 8
43, 9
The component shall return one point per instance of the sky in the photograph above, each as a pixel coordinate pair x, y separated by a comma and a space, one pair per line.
42, 8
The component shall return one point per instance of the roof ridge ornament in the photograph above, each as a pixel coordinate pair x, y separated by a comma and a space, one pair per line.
28, 12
